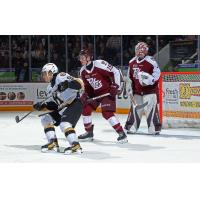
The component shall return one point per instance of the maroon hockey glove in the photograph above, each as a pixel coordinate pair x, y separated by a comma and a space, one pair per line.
114, 90
84, 98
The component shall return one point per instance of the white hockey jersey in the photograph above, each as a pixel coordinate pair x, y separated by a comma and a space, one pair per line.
67, 95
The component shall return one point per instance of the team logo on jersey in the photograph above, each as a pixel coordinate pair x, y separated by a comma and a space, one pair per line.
87, 76
96, 84
135, 66
135, 73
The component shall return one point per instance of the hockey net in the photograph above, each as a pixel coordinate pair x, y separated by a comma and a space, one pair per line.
180, 99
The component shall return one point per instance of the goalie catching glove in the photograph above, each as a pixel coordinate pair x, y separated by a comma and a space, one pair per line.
145, 79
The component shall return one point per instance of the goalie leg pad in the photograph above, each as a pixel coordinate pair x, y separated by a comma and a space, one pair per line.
134, 116
152, 114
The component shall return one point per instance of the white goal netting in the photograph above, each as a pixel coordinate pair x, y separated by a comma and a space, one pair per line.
180, 100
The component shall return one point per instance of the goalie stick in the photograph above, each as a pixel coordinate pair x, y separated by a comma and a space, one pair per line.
135, 105
17, 119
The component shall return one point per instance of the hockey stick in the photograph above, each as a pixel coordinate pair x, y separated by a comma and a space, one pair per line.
67, 103
64, 104
17, 119
98, 97
135, 105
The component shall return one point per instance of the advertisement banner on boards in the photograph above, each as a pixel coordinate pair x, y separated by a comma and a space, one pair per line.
21, 94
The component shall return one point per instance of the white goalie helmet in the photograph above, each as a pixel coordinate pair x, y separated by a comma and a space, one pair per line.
50, 67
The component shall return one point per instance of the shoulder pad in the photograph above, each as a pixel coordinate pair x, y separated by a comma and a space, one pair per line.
102, 64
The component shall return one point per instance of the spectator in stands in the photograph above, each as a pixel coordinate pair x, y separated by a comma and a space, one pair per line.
113, 46
4, 59
151, 45
17, 63
21, 67
102, 50
161, 44
57, 59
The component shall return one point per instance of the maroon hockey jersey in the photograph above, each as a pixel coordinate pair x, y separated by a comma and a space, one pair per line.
148, 65
97, 81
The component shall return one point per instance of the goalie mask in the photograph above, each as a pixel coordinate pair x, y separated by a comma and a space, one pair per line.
141, 49
48, 71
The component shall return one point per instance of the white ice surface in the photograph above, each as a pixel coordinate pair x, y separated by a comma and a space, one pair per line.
21, 143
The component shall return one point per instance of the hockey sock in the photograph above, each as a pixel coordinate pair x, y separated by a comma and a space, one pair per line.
50, 133
87, 121
70, 134
113, 121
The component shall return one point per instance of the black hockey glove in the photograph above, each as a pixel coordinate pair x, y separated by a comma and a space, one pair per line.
62, 86
39, 106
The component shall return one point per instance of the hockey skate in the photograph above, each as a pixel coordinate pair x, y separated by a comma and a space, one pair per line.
152, 131
129, 131
75, 148
52, 146
122, 138
87, 136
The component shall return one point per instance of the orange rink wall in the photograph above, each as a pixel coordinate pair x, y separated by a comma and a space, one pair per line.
30, 108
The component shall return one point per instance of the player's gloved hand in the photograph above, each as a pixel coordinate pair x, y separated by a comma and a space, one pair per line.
62, 86
54, 95
39, 106
84, 98
114, 89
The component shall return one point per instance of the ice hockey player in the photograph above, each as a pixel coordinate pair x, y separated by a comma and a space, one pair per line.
64, 90
99, 78
144, 74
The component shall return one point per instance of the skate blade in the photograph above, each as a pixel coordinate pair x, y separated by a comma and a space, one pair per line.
123, 141
69, 152
130, 132
86, 140
46, 150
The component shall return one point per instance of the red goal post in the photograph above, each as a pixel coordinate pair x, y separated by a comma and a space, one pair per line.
180, 99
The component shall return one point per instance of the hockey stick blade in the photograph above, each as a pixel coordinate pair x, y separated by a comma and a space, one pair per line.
138, 107
17, 119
